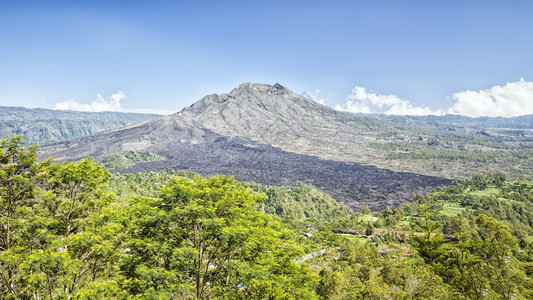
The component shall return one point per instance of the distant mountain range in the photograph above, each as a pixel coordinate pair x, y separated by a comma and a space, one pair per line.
451, 121
45, 126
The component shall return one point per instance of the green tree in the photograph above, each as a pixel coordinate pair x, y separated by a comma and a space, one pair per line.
365, 210
57, 238
430, 246
494, 248
464, 270
329, 284
369, 228
75, 190
17, 180
85, 224
496, 239
203, 237
18, 174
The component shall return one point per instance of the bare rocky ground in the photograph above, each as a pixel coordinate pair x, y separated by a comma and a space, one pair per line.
349, 183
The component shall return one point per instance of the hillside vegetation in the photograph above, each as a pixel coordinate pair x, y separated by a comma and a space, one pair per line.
296, 202
45, 126
127, 159
457, 121
454, 153
73, 230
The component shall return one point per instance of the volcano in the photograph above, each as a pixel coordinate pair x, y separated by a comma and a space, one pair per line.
267, 134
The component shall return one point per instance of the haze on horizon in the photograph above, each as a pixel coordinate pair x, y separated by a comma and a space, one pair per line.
409, 57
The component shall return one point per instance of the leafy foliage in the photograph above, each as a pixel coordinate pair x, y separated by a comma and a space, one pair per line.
205, 237
126, 159
57, 235
298, 202
64, 234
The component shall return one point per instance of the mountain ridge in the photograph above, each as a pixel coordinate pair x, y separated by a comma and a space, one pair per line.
48, 126
277, 116
446, 121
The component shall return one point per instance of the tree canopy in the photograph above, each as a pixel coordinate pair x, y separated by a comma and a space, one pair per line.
64, 234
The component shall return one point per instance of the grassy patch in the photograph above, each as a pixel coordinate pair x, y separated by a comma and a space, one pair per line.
484, 193
452, 209
127, 159
365, 218
406, 221
353, 238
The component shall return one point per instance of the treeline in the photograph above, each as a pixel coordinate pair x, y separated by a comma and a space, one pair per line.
453, 152
300, 202
470, 240
521, 122
127, 159
475, 235
295, 202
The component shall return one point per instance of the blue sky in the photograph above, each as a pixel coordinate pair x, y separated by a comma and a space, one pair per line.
165, 55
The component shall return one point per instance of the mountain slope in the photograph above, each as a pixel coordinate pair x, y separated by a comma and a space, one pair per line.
276, 116
45, 126
187, 147
188, 141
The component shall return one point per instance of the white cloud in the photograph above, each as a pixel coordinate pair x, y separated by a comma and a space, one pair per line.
361, 101
511, 100
101, 104
313, 97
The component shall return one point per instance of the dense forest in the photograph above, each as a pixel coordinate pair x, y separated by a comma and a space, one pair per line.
73, 230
